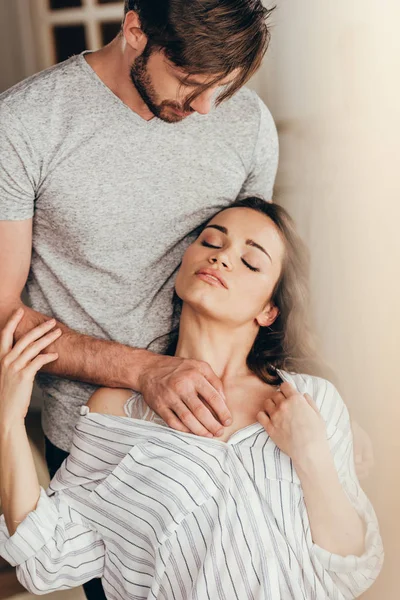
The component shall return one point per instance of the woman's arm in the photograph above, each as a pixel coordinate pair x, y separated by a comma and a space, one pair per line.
335, 524
109, 401
49, 542
19, 486
344, 529
295, 425
53, 548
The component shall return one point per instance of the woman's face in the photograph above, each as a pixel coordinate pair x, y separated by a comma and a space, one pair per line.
230, 271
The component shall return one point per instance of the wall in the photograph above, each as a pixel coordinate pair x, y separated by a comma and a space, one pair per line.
331, 80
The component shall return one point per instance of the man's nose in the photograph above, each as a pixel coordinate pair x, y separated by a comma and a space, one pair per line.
202, 104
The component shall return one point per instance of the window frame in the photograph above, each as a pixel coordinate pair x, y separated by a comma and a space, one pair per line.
91, 15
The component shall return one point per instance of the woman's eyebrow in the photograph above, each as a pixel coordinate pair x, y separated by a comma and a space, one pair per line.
224, 230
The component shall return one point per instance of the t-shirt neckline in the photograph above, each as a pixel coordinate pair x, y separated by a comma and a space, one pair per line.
154, 122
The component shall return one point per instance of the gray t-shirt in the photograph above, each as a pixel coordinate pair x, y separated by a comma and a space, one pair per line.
114, 201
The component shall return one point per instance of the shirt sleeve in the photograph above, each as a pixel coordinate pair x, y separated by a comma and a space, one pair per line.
19, 169
353, 575
261, 177
53, 548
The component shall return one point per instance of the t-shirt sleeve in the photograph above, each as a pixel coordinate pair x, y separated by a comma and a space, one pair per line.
19, 169
264, 165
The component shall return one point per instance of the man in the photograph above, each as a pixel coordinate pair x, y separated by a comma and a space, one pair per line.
109, 163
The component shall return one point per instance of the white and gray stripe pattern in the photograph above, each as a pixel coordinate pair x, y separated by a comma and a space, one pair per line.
166, 515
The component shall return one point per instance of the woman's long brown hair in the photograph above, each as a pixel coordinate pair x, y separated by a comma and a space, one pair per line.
289, 343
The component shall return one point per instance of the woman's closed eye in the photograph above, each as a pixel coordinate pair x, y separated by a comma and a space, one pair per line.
208, 245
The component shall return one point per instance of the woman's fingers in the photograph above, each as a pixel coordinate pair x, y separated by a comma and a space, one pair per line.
7, 334
269, 406
35, 349
287, 389
311, 403
265, 421
29, 338
36, 364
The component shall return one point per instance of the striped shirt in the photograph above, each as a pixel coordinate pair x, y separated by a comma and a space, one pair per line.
165, 515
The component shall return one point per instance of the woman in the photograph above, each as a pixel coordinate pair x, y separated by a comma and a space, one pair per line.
272, 509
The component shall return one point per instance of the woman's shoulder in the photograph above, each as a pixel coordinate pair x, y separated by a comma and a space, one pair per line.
304, 382
109, 401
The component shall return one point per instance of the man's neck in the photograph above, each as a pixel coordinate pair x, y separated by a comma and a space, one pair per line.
112, 65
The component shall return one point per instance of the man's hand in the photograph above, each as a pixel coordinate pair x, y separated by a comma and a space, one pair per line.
363, 451
186, 394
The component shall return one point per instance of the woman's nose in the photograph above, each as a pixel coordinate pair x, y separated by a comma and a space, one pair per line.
221, 258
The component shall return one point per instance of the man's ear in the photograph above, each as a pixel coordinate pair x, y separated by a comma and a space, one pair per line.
133, 34
268, 315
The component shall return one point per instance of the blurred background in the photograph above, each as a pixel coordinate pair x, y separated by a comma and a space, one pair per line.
331, 79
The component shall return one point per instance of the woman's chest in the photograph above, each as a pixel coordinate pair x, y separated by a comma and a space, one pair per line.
244, 401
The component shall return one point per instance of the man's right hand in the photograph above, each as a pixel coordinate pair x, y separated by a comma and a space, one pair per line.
179, 390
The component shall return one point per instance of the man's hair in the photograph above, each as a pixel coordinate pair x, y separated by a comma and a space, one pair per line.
210, 37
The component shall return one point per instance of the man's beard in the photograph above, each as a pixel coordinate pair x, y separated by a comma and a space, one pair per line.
144, 86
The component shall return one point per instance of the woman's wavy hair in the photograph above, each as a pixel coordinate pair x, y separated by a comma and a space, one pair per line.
209, 37
288, 343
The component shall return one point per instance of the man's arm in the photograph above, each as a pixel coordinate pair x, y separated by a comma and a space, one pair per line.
163, 381
81, 357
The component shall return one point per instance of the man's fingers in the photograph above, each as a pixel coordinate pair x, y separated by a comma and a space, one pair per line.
204, 423
172, 420
29, 338
207, 391
191, 415
34, 349
7, 334
211, 377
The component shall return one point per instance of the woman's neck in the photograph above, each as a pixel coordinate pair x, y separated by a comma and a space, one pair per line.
224, 347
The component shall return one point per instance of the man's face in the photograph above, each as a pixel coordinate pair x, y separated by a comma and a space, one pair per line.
164, 87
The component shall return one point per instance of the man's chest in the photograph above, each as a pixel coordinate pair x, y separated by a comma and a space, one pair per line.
123, 198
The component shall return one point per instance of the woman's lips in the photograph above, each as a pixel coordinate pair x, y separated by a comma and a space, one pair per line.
210, 279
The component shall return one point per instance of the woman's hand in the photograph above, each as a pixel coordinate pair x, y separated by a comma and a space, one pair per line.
294, 423
19, 364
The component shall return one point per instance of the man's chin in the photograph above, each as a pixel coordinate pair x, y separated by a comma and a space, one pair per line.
168, 113
170, 116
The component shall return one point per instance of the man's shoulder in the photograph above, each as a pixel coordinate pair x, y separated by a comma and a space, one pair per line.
246, 105
40, 88
245, 118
